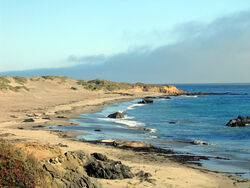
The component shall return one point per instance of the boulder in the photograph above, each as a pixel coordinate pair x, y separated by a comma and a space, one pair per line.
239, 122
146, 101
108, 169
116, 115
29, 120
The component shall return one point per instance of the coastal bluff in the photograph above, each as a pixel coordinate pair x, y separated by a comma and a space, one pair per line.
21, 84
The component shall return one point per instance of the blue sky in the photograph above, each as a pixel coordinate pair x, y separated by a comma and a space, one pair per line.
38, 34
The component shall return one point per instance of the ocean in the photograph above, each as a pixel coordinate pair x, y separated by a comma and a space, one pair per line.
188, 124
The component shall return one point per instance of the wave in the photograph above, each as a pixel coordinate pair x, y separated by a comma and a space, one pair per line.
124, 121
191, 96
194, 142
147, 130
153, 137
131, 107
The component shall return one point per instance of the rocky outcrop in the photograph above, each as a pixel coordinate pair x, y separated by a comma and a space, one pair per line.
75, 169
67, 170
146, 101
239, 122
107, 169
116, 115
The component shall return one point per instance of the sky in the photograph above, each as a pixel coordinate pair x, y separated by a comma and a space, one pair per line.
161, 41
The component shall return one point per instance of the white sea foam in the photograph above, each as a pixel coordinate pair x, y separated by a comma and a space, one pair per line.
153, 137
128, 117
153, 130
191, 96
131, 107
123, 121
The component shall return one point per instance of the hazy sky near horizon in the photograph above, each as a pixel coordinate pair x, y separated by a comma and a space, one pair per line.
168, 41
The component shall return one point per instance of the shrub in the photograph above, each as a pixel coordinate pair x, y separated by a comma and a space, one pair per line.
17, 169
73, 88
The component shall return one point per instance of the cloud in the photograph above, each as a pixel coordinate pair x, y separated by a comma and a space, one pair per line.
205, 52
96, 59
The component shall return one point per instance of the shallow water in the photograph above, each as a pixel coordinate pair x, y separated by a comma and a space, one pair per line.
182, 123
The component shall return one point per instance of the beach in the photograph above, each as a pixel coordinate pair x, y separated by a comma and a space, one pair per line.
24, 115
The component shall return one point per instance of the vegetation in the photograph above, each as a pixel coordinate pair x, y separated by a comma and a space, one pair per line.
17, 169
20, 80
5, 84
100, 84
62, 79
73, 88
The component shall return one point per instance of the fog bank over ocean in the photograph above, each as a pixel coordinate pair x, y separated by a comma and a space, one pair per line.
215, 52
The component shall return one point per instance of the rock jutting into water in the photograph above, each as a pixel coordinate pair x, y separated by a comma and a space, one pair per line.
146, 101
239, 122
116, 115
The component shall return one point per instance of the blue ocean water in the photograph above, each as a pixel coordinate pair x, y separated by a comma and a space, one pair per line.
183, 123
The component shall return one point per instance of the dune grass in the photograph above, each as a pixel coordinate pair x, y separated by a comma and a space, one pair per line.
5, 83
100, 84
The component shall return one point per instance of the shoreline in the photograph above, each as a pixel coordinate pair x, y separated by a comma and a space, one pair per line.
34, 132
182, 157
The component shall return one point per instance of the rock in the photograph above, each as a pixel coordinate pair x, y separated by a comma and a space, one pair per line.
108, 170
172, 122
146, 101
239, 122
145, 176
61, 117
29, 120
62, 145
38, 126
116, 115
142, 174
99, 156
46, 117
67, 170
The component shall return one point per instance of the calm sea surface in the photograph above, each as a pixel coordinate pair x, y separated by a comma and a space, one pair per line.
193, 124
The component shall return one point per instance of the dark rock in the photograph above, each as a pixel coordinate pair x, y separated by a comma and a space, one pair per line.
99, 156
146, 101
239, 122
97, 130
142, 174
116, 115
150, 98
29, 120
145, 176
172, 122
108, 170
46, 117
38, 126
61, 117
62, 145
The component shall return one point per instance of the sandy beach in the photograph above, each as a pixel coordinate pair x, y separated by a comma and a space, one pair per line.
24, 114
